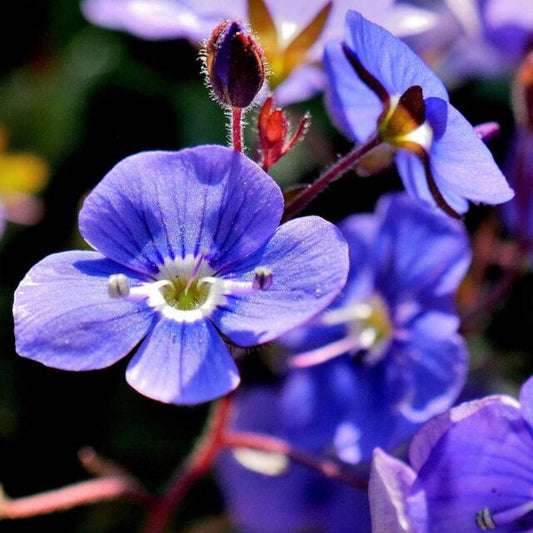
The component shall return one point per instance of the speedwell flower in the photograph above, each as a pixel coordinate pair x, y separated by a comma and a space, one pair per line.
293, 34
379, 88
394, 328
267, 492
471, 470
187, 246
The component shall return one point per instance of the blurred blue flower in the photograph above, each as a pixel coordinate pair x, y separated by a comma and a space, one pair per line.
378, 86
187, 246
293, 34
264, 492
393, 330
471, 470
477, 38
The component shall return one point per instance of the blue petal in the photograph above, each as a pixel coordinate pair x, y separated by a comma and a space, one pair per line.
308, 258
354, 108
160, 19
389, 59
461, 164
482, 461
158, 205
419, 252
526, 401
390, 481
183, 363
431, 432
64, 317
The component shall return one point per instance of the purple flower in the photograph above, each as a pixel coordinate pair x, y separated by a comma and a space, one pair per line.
478, 38
265, 492
471, 470
394, 326
378, 86
293, 34
187, 245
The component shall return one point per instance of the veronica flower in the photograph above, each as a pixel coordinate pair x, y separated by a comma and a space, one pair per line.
293, 34
267, 492
379, 88
471, 470
476, 38
22, 175
187, 247
394, 327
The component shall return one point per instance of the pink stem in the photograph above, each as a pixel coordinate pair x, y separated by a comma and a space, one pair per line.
344, 164
198, 464
236, 128
83, 493
267, 443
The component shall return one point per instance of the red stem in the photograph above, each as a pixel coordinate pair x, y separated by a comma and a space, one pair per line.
83, 493
267, 443
197, 465
344, 164
236, 128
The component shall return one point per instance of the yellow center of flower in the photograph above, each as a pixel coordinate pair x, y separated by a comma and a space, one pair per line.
284, 48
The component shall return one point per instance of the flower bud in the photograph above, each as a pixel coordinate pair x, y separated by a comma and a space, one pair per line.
234, 65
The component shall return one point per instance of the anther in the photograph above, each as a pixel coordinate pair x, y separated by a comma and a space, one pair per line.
484, 520
117, 286
263, 278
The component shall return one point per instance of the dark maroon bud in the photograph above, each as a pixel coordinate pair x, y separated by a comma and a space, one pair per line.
234, 64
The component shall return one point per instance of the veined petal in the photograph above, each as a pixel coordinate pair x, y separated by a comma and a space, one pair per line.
160, 19
418, 251
353, 106
390, 60
460, 161
183, 363
308, 258
158, 205
483, 461
64, 317
430, 433
390, 481
526, 401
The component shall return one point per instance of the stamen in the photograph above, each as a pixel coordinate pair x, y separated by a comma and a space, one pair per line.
117, 286
343, 315
261, 282
263, 278
484, 520
325, 353
194, 273
512, 515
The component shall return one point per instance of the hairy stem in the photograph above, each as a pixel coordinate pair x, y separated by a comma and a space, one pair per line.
197, 465
236, 129
301, 200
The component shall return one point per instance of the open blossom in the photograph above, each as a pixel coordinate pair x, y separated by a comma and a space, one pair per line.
265, 491
379, 88
292, 34
471, 470
394, 328
187, 245
475, 38
22, 175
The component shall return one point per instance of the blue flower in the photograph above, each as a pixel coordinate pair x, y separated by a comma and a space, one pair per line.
393, 331
187, 245
264, 492
379, 87
471, 470
293, 34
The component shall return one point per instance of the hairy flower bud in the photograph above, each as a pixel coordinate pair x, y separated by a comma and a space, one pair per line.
234, 65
